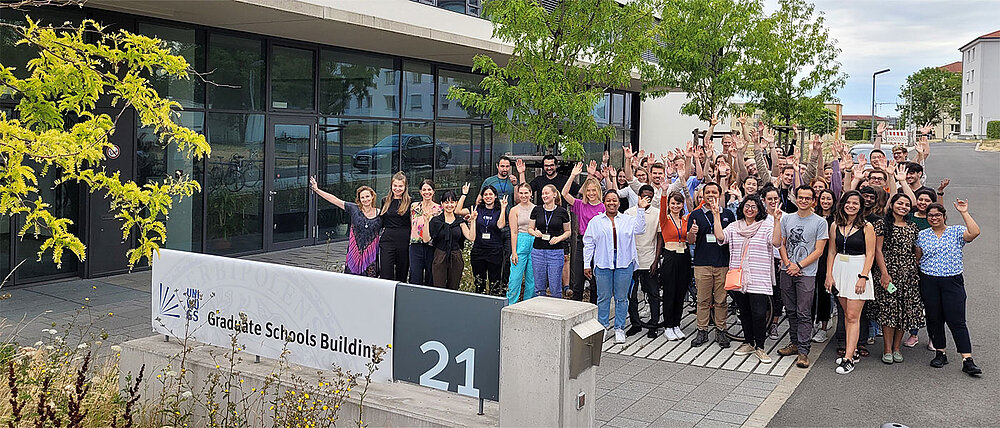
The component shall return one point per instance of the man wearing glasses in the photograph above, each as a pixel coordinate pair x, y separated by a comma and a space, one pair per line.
803, 239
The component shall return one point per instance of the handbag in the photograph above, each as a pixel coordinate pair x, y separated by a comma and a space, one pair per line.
734, 278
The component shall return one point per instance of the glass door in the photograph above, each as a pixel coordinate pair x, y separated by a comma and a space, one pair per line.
290, 218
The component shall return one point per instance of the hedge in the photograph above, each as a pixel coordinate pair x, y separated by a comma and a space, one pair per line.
993, 129
857, 134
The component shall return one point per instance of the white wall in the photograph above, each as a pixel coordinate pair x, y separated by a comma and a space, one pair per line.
985, 86
662, 127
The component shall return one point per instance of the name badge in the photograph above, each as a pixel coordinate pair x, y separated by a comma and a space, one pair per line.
844, 257
486, 235
546, 237
710, 239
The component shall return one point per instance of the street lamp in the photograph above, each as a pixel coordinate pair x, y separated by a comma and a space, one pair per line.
872, 136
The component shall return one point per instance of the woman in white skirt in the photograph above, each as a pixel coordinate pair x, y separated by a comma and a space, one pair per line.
849, 263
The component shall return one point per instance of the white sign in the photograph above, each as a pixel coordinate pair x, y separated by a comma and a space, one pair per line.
323, 318
896, 136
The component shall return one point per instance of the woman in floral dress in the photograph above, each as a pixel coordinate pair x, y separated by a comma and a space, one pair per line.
896, 260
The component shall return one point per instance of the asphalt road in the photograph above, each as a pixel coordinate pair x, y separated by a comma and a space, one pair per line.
913, 393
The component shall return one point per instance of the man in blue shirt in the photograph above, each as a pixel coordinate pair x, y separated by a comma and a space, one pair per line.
711, 263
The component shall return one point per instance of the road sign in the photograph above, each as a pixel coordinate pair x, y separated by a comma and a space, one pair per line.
113, 152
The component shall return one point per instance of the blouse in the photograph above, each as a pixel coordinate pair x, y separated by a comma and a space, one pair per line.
417, 225
942, 256
447, 236
600, 245
396, 225
758, 270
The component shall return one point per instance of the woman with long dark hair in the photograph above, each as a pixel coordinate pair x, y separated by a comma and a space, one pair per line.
490, 221
675, 263
394, 242
849, 263
897, 290
942, 284
449, 233
363, 237
421, 250
825, 206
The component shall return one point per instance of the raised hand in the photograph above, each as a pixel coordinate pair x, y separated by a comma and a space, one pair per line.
944, 183
592, 168
577, 169
962, 206
926, 129
694, 229
901, 173
847, 161
742, 119
862, 161
880, 129
465, 188
605, 157
312, 184
642, 153
503, 203
651, 159
688, 150
627, 151
714, 121
519, 164
768, 136
611, 173
817, 144
473, 214
645, 201
838, 147
795, 129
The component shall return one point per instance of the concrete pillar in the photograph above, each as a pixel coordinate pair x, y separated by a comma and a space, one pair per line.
536, 388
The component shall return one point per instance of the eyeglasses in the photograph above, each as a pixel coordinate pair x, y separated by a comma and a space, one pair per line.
935, 215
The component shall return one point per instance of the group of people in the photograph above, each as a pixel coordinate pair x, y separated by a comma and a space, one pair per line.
772, 233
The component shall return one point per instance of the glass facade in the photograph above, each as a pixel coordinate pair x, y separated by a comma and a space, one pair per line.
276, 112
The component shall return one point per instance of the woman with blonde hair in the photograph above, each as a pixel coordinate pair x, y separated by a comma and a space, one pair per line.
394, 243
583, 210
363, 237
550, 225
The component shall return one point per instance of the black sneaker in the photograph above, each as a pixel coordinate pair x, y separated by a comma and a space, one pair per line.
970, 368
940, 359
846, 366
652, 333
722, 339
700, 339
633, 330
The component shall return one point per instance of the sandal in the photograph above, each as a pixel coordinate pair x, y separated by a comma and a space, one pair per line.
862, 351
841, 352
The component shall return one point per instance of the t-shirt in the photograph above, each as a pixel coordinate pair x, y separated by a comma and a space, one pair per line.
549, 223
447, 236
559, 181
800, 236
942, 256
709, 253
488, 235
584, 212
397, 227
645, 244
921, 222
505, 188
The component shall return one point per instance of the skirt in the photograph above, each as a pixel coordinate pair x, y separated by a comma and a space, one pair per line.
845, 277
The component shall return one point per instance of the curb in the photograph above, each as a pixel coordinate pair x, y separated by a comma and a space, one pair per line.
777, 398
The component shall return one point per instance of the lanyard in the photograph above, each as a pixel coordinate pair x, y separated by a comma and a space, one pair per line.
849, 230
677, 227
548, 217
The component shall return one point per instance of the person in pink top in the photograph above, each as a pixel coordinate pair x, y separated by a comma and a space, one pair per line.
751, 245
583, 211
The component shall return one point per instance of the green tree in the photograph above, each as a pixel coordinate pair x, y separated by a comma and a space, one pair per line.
58, 130
932, 95
708, 49
562, 63
820, 121
799, 63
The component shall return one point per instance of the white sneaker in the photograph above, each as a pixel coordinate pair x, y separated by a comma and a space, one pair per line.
820, 336
619, 336
608, 333
679, 333
669, 332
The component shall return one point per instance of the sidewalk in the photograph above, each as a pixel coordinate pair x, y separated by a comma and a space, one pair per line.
642, 383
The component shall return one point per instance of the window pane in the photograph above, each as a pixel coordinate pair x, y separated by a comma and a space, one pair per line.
628, 111
617, 108
292, 79
237, 67
155, 162
65, 202
183, 42
18, 56
357, 85
601, 110
418, 91
466, 165
233, 183
420, 153
446, 80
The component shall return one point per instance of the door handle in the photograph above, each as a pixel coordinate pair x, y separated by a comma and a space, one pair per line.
272, 193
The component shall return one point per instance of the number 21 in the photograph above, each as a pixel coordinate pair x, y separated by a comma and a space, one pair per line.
468, 357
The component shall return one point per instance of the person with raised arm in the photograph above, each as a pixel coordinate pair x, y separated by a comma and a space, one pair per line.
363, 235
550, 225
942, 284
711, 262
421, 250
647, 246
583, 210
522, 242
488, 244
449, 233
609, 246
897, 292
849, 263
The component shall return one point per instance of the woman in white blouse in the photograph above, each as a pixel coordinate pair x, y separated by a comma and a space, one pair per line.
610, 244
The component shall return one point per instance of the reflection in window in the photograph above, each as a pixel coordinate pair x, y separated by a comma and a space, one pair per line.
233, 184
601, 110
469, 81
155, 162
185, 42
291, 78
617, 108
65, 200
467, 163
348, 81
237, 66
417, 81
421, 154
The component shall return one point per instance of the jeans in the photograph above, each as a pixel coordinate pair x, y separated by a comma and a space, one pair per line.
753, 317
944, 300
421, 261
522, 271
548, 267
613, 281
642, 278
797, 294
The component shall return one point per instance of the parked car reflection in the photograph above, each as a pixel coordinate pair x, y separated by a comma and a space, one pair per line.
417, 150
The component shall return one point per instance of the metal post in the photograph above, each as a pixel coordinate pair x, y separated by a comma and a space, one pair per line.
256, 359
871, 136
480, 407
166, 338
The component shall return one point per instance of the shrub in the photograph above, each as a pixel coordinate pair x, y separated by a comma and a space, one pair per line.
857, 134
993, 129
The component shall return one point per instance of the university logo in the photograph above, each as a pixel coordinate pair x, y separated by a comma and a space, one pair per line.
193, 296
170, 306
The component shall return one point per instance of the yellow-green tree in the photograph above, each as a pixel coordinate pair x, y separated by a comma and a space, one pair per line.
58, 130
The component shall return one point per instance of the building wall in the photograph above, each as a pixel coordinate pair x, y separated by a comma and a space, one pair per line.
981, 82
662, 127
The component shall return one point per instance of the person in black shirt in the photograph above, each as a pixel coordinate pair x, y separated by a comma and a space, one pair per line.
486, 266
394, 246
551, 229
449, 233
550, 177
711, 264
